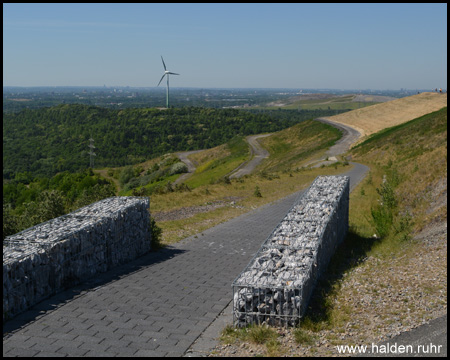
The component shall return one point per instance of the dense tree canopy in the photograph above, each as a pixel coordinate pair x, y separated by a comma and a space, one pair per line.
28, 201
50, 140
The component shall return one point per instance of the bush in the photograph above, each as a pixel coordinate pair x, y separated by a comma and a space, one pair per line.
156, 233
49, 205
126, 175
10, 225
178, 168
387, 195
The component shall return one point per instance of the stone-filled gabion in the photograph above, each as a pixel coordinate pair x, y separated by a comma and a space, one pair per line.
277, 284
47, 258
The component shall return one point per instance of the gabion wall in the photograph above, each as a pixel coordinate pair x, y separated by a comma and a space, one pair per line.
277, 284
52, 256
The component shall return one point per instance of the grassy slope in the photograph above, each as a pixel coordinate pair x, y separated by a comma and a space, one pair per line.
415, 153
326, 102
395, 268
304, 140
216, 163
291, 147
376, 286
377, 117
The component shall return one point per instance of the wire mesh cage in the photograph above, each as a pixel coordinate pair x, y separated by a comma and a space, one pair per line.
277, 284
64, 251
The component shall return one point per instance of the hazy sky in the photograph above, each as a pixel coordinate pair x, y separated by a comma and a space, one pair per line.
340, 46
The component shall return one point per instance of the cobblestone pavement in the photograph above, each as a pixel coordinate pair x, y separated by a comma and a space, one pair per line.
157, 305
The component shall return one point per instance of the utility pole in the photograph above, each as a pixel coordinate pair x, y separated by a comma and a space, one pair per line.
91, 152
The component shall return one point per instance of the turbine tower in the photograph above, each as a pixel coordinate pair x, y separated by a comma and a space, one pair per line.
166, 73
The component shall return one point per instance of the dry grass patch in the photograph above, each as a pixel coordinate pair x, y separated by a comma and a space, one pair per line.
238, 197
374, 118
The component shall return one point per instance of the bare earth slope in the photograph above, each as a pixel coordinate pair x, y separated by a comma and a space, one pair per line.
374, 118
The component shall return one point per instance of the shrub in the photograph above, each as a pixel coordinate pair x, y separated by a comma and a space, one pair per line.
382, 217
387, 195
155, 232
178, 168
125, 176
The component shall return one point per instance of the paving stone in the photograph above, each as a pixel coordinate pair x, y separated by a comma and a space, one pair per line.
230, 240
43, 260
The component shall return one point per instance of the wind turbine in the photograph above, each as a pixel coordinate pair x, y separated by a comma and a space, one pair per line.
166, 73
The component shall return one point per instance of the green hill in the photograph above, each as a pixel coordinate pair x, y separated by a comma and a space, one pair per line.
50, 140
390, 273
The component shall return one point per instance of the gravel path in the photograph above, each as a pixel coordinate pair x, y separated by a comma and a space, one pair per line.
258, 154
183, 156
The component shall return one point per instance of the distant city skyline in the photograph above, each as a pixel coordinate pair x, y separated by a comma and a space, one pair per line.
317, 46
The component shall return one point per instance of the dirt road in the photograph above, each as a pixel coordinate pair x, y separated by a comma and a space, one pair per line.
349, 137
183, 156
258, 154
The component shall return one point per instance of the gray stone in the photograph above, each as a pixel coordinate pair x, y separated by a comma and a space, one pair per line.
288, 264
52, 256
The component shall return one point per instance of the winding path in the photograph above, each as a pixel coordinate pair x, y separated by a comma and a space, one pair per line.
166, 303
349, 137
257, 154
157, 305
183, 156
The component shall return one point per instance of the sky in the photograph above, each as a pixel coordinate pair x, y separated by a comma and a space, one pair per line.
321, 46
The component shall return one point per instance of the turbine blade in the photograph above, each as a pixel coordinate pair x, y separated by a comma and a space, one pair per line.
171, 73
163, 63
161, 79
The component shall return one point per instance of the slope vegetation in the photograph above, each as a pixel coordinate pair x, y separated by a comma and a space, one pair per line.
372, 119
390, 274
290, 148
49, 140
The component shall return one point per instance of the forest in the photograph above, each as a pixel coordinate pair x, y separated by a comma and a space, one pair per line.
29, 200
46, 161
55, 139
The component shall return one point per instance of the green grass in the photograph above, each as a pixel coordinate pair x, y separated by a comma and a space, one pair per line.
303, 337
291, 147
255, 334
402, 179
428, 124
215, 169
151, 187
386, 208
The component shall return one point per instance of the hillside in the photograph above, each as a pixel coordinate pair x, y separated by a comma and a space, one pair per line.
390, 274
374, 118
338, 103
50, 140
291, 148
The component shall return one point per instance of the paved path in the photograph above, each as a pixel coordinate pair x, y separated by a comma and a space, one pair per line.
428, 340
158, 305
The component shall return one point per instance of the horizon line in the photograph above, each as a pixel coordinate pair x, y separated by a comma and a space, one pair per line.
193, 87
